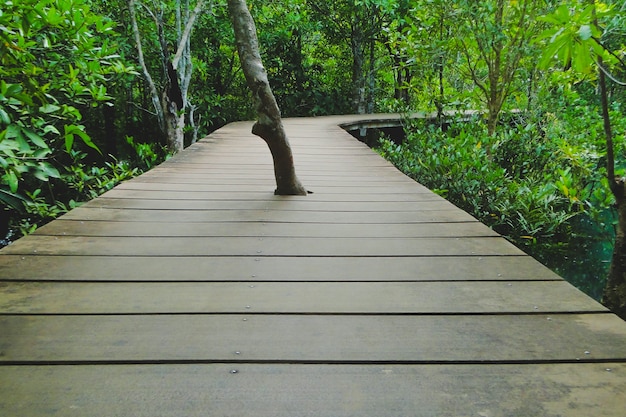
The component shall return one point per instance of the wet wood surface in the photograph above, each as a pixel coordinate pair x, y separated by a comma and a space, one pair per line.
193, 291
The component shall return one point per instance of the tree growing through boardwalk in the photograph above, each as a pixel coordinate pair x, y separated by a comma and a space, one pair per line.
269, 125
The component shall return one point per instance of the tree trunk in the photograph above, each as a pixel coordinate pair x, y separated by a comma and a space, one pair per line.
358, 64
170, 104
174, 125
269, 125
614, 296
371, 79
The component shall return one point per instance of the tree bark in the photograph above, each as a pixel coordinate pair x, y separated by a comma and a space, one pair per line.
614, 296
170, 104
269, 125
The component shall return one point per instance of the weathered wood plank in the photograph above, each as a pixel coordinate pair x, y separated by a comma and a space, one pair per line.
329, 188
313, 338
268, 246
398, 184
289, 298
253, 175
262, 196
561, 390
283, 205
101, 228
233, 268
282, 216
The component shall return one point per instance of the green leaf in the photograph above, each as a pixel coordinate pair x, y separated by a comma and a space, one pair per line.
4, 117
49, 108
11, 199
585, 32
49, 170
12, 180
583, 61
69, 139
51, 129
35, 138
15, 132
78, 130
553, 49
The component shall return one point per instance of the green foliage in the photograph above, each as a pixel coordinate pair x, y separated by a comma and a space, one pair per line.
536, 181
51, 61
57, 58
574, 38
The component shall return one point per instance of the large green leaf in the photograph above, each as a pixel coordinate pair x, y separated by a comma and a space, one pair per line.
35, 138
12, 199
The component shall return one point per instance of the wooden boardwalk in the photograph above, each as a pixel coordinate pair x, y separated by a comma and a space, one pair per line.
194, 291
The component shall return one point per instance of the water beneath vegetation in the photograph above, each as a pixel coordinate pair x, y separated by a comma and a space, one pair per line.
582, 257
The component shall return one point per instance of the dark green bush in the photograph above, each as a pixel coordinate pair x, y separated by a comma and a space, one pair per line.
540, 183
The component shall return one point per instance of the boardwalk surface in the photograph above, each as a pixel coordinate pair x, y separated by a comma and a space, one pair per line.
193, 291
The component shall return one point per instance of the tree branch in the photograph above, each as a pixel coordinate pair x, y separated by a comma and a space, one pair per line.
187, 32
153, 90
608, 74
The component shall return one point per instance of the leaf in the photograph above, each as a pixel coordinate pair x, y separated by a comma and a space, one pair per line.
4, 117
12, 90
35, 138
553, 49
15, 132
51, 129
583, 61
585, 32
69, 139
11, 199
49, 170
49, 108
78, 130
12, 180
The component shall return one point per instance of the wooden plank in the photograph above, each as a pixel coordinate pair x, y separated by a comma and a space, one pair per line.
290, 298
252, 175
366, 159
318, 170
313, 338
283, 205
145, 229
320, 190
236, 184
567, 390
263, 196
267, 216
268, 246
246, 172
251, 269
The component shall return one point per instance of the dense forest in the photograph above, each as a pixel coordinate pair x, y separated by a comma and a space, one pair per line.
527, 97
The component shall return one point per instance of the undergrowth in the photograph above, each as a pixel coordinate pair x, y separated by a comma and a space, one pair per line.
539, 181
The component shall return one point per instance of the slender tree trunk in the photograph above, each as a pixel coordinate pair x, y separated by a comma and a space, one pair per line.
170, 104
358, 45
614, 296
108, 112
269, 125
371, 78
